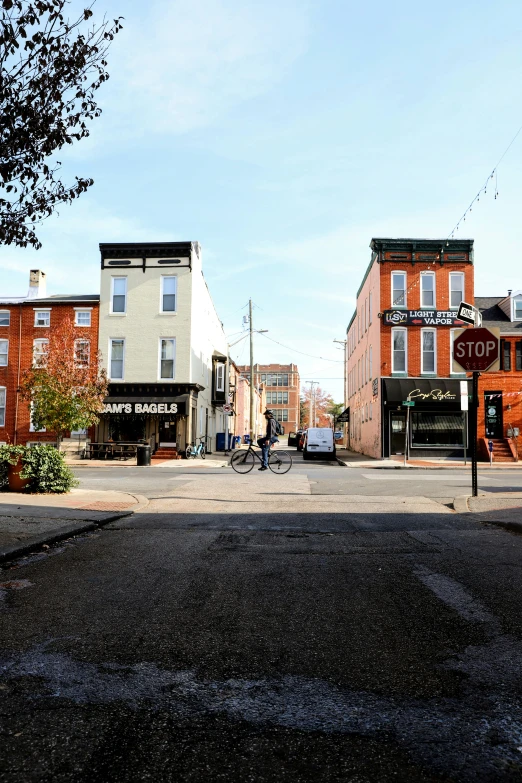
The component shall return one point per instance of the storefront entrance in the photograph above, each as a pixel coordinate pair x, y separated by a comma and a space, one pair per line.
397, 432
494, 418
167, 433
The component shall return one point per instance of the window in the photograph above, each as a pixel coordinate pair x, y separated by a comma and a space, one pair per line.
456, 289
5, 317
517, 309
365, 366
220, 377
505, 355
42, 318
428, 357
370, 299
442, 430
83, 318
2, 406
398, 289
169, 286
40, 348
371, 411
281, 414
4, 351
119, 295
117, 353
82, 353
370, 363
428, 289
399, 347
167, 352
518, 355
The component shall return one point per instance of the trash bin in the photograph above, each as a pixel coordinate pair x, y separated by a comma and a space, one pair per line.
143, 454
246, 438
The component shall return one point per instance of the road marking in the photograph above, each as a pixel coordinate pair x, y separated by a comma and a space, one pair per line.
418, 477
455, 595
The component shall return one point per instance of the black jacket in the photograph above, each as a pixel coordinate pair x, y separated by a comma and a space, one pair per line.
271, 428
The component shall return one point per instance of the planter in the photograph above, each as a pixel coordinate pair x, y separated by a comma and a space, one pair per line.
16, 484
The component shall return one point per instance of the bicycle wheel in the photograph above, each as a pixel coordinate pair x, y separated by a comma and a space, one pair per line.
279, 462
243, 461
202, 453
188, 452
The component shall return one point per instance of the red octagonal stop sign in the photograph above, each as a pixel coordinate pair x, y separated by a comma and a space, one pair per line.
476, 349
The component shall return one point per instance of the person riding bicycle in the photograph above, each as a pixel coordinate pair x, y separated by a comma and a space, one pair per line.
270, 437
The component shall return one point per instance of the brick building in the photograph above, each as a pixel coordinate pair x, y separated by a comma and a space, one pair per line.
398, 348
500, 393
25, 325
282, 385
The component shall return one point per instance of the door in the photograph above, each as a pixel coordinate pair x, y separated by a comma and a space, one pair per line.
493, 417
167, 433
397, 432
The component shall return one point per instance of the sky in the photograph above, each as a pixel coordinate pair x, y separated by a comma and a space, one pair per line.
283, 135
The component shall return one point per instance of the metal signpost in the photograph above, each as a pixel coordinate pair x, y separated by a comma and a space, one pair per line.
476, 350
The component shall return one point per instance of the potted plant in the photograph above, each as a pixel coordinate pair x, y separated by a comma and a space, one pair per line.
38, 468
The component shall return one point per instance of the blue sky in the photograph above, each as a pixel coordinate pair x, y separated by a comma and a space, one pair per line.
283, 136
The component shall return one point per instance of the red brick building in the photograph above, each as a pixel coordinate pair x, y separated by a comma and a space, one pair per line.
282, 385
25, 325
500, 393
399, 344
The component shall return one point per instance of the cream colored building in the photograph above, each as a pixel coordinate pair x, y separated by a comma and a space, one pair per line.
162, 344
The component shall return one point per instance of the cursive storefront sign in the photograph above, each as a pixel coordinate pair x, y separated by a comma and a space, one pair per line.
140, 407
434, 394
421, 318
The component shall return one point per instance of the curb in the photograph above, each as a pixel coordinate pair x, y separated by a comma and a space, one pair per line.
12, 552
141, 500
460, 504
515, 527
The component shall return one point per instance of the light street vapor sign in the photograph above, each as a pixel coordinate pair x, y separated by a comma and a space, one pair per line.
476, 350
466, 313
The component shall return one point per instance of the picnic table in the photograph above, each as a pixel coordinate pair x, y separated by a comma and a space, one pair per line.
113, 450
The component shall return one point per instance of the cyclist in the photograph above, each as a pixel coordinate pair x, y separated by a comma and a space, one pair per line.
270, 437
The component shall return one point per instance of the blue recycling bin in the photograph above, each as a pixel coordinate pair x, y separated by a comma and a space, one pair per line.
220, 441
246, 439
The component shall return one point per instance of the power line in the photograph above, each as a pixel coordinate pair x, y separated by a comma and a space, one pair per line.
335, 361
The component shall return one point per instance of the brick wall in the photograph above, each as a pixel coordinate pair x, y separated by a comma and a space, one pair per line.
17, 423
509, 382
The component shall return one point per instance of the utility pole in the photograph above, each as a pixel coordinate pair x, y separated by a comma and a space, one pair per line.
312, 402
252, 423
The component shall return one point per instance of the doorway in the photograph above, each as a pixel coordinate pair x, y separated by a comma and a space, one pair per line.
397, 432
167, 433
493, 414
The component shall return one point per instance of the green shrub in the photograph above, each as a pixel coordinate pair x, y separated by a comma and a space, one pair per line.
42, 464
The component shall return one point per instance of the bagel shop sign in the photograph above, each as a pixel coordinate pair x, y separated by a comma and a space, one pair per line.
141, 407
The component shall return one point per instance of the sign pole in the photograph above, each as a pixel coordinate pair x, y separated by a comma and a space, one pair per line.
465, 437
474, 427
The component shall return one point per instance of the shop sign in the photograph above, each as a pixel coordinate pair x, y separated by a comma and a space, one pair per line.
435, 394
140, 407
420, 317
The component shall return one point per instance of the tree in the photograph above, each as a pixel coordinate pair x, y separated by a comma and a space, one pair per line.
50, 69
322, 404
66, 385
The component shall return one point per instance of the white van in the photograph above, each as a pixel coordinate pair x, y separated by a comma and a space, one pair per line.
320, 441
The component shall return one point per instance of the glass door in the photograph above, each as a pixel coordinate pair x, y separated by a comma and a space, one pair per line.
397, 432
494, 422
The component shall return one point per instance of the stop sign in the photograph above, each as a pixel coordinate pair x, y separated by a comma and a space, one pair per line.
476, 349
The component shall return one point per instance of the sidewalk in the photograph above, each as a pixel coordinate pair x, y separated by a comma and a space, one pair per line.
497, 508
352, 459
30, 521
211, 461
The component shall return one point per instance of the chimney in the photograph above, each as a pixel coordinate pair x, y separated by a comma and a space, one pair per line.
509, 291
37, 284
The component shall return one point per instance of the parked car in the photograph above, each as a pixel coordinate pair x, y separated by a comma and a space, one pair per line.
293, 438
300, 442
319, 441
338, 435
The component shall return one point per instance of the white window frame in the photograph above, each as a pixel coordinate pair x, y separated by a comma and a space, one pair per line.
370, 362
463, 281
4, 353
370, 301
425, 276
82, 311
42, 311
3, 314
163, 278
393, 331
405, 275
111, 340
515, 300
160, 341
220, 377
124, 311
39, 341
4, 407
88, 342
434, 371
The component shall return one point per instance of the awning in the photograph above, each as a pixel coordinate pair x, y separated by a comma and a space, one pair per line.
146, 399
344, 416
146, 404
422, 390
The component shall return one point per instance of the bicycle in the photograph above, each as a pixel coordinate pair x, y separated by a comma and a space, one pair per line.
196, 451
244, 460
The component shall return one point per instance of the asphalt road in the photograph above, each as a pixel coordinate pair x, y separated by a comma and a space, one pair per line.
330, 625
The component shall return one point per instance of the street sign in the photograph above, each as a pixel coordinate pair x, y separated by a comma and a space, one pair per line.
464, 399
466, 313
227, 408
408, 403
477, 350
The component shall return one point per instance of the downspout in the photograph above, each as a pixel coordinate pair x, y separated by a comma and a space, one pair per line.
18, 372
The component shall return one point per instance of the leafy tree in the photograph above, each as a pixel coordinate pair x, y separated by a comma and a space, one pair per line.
323, 405
66, 386
50, 69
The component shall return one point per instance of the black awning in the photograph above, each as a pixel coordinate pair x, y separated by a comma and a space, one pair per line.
344, 416
146, 398
425, 390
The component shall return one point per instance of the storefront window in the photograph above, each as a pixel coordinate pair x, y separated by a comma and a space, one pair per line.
437, 430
